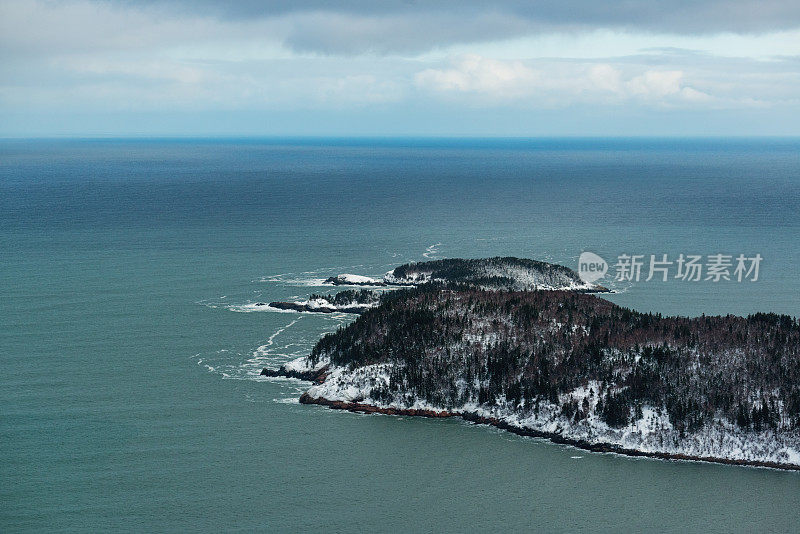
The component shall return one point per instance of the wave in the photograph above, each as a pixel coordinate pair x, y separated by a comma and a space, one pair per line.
271, 339
279, 348
288, 400
307, 282
254, 307
431, 252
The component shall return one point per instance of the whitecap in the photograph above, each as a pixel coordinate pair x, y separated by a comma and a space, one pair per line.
431, 251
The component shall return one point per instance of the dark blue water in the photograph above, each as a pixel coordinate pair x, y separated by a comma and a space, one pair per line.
130, 398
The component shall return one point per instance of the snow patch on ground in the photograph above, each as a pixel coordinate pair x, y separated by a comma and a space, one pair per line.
303, 364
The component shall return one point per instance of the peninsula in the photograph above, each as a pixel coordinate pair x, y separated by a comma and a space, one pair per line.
571, 367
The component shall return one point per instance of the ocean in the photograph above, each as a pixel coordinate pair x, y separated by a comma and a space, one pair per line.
130, 349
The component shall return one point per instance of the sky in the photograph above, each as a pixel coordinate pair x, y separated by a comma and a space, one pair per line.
399, 68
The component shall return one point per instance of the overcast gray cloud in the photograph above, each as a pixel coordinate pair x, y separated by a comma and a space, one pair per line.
353, 27
356, 26
677, 15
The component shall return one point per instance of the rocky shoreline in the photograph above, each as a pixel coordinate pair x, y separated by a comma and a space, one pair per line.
356, 407
318, 376
301, 307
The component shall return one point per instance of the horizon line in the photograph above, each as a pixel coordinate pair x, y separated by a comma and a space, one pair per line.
365, 137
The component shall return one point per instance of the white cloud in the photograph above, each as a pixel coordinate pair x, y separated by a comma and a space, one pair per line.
557, 83
473, 73
604, 77
655, 84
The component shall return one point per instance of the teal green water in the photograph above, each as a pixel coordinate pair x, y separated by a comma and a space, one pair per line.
130, 399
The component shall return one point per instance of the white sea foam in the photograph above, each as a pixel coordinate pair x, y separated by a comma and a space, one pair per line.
278, 332
308, 282
431, 251
255, 307
230, 364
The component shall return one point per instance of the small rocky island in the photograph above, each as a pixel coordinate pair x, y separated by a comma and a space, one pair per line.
501, 273
490, 274
571, 367
509, 274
